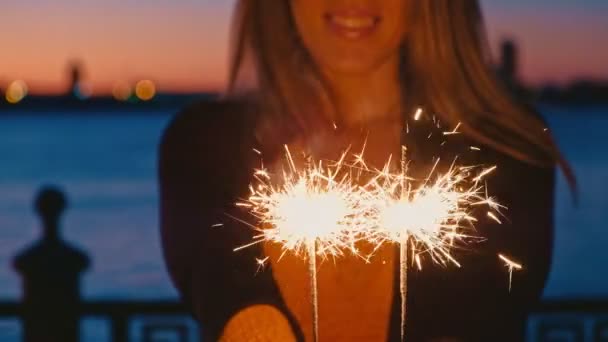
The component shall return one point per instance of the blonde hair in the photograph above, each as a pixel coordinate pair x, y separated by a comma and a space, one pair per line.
445, 68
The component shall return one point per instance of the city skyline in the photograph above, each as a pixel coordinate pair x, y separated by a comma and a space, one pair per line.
183, 45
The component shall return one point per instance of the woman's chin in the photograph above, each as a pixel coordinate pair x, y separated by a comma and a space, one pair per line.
350, 65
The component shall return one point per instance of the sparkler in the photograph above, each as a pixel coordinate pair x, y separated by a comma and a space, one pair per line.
321, 211
430, 217
310, 214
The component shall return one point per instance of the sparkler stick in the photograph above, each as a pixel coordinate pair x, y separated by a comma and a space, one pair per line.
403, 251
311, 247
312, 264
403, 283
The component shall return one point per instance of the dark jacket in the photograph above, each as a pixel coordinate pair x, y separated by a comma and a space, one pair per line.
206, 159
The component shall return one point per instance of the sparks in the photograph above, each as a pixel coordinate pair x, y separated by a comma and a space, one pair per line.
284, 212
310, 214
418, 263
316, 206
430, 215
320, 210
494, 217
433, 215
454, 131
484, 173
261, 263
418, 114
359, 161
511, 265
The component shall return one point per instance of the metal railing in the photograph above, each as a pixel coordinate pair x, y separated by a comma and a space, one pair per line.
570, 321
552, 320
120, 313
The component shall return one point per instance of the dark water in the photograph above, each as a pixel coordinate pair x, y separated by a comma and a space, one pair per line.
107, 165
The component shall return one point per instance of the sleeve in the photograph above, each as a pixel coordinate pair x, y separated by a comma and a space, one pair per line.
527, 232
203, 170
481, 284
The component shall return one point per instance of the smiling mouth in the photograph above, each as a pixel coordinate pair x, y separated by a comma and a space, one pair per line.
352, 24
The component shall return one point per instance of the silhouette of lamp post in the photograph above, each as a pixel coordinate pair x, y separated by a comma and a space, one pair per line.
50, 270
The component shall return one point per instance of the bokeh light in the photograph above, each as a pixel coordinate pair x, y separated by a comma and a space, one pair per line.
16, 91
145, 90
122, 91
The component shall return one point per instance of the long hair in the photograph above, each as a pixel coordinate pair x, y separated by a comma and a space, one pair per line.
445, 68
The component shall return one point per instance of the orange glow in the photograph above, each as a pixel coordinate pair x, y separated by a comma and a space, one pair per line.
145, 90
122, 91
184, 46
16, 92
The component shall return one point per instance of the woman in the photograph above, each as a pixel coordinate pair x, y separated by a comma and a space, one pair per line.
321, 75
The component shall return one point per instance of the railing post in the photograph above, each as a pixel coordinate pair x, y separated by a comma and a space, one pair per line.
120, 328
50, 270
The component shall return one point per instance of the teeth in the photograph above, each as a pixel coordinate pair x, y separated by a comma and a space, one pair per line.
354, 22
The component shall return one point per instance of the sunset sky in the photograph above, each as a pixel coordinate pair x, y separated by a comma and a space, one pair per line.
182, 44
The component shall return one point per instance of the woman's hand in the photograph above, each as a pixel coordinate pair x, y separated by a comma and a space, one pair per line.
258, 323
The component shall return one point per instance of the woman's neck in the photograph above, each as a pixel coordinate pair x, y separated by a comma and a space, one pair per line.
365, 97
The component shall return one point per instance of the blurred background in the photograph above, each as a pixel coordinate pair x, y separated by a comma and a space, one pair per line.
86, 88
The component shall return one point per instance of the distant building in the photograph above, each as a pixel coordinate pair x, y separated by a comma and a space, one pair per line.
508, 70
3, 87
78, 88
509, 61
